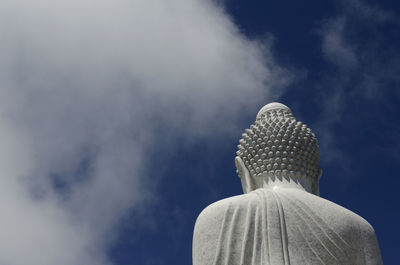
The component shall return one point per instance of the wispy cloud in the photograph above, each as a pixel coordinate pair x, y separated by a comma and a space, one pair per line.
335, 48
371, 12
357, 42
85, 87
364, 65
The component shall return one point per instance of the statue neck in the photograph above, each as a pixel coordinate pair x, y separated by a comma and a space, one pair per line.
286, 183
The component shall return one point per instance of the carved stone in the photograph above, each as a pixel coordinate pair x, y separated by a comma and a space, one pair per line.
281, 219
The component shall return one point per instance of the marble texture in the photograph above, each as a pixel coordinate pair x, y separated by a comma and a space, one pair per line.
281, 219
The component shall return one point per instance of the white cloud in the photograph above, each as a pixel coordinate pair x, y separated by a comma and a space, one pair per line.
83, 84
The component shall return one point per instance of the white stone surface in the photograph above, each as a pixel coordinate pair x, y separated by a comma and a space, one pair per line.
281, 219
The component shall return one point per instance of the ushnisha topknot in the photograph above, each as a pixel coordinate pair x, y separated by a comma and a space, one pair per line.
272, 106
277, 145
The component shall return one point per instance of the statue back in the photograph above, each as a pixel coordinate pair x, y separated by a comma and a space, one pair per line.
282, 227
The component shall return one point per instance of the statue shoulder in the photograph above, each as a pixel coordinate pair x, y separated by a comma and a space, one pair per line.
215, 212
210, 225
370, 252
325, 207
345, 228
335, 216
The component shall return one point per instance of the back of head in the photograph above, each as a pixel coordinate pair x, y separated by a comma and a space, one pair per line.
277, 145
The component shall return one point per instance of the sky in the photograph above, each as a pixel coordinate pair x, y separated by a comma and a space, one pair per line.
119, 120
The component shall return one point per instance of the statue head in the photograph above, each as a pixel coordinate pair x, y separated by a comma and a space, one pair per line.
276, 148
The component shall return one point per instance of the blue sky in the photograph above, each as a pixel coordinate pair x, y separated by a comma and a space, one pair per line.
119, 120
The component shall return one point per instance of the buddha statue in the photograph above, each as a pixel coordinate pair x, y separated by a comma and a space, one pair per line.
280, 219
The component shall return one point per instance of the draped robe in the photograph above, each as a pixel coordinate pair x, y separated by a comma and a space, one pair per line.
282, 227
